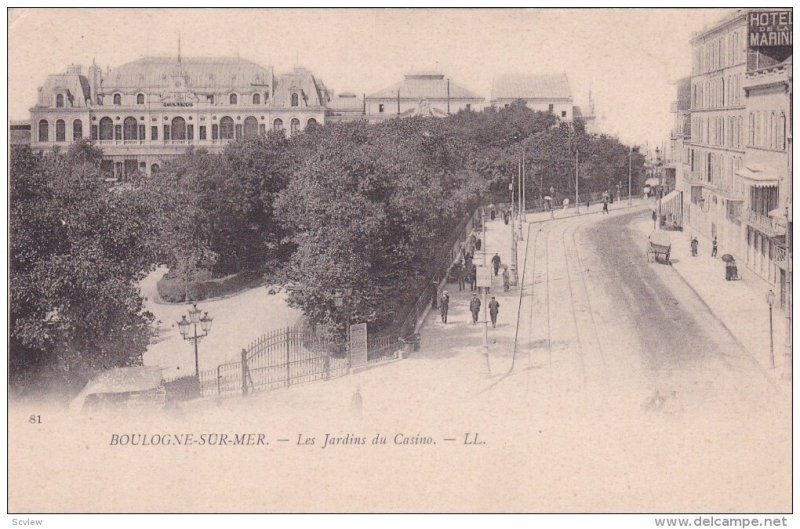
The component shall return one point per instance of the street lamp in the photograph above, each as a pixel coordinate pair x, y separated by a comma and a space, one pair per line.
770, 302
193, 321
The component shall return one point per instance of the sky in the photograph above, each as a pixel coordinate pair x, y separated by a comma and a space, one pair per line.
628, 58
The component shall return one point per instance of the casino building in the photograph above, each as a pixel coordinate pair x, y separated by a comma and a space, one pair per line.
151, 109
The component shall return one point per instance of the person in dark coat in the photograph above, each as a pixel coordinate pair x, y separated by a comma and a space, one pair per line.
473, 277
694, 245
714, 247
444, 305
467, 261
475, 308
505, 217
478, 244
494, 308
492, 214
458, 270
496, 263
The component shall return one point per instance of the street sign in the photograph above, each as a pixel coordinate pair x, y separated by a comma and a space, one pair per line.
483, 277
358, 344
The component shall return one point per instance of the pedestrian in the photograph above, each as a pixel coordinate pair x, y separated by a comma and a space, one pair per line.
492, 214
714, 247
444, 305
506, 280
505, 217
478, 244
459, 272
496, 263
694, 245
605, 205
587, 203
467, 261
494, 308
473, 277
474, 308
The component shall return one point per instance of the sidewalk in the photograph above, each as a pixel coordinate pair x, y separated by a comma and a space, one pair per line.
740, 305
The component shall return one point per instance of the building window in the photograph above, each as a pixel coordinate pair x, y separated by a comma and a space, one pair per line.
550, 108
238, 130
234, 99
256, 99
210, 99
178, 128
295, 100
215, 132
190, 132
277, 124
61, 130
154, 168
130, 129
106, 129
782, 132
166, 133
295, 126
250, 127
117, 132
60, 100
140, 99
310, 122
202, 132
142, 130
380, 108
77, 130
94, 132
154, 133
226, 128
563, 113
117, 99
44, 130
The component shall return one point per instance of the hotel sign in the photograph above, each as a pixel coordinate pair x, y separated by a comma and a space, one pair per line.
177, 104
769, 29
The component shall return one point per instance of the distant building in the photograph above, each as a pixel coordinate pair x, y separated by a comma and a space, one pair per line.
346, 106
543, 93
677, 155
421, 94
19, 133
149, 110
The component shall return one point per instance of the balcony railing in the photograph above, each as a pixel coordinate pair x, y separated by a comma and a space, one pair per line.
779, 254
764, 224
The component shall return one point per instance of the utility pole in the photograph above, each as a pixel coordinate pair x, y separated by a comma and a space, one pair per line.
630, 167
524, 202
485, 290
519, 197
577, 209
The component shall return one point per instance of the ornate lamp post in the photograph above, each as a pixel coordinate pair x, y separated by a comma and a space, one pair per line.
205, 326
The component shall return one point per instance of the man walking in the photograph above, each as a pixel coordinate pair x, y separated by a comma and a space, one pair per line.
496, 263
494, 308
475, 308
714, 247
444, 304
473, 277
459, 272
605, 205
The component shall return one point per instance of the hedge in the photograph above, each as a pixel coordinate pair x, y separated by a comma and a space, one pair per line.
172, 289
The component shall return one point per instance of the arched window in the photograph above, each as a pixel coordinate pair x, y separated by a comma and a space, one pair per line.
44, 130
77, 130
226, 128
310, 122
61, 130
178, 128
154, 168
256, 99
106, 129
129, 129
60, 100
117, 99
140, 99
295, 126
295, 100
233, 99
277, 124
250, 127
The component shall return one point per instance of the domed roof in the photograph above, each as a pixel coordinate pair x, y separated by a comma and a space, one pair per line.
201, 73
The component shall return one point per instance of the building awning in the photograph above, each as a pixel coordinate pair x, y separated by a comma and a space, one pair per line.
758, 175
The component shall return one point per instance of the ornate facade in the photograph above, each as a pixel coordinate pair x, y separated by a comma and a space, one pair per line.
148, 110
